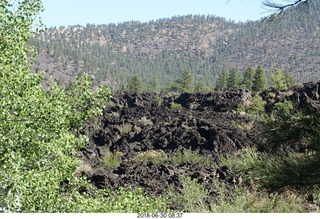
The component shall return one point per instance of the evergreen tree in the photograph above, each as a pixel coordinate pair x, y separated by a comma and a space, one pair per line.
234, 79
184, 83
278, 80
222, 81
260, 80
201, 87
135, 85
248, 78
154, 85
289, 80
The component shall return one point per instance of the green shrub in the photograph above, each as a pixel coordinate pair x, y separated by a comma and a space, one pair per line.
192, 197
122, 200
257, 107
176, 106
276, 174
241, 108
245, 200
126, 129
39, 129
135, 200
158, 100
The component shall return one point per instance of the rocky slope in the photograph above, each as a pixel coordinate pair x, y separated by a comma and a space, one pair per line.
143, 130
148, 135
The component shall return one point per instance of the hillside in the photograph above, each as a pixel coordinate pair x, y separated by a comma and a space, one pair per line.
161, 49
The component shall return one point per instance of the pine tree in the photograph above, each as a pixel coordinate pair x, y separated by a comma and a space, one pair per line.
184, 83
234, 79
289, 80
222, 79
248, 78
135, 85
278, 80
154, 85
260, 80
201, 87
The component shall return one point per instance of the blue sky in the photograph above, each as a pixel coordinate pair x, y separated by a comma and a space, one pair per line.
72, 12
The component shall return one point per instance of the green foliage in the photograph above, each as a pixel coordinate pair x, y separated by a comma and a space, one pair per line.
241, 108
135, 200
201, 87
184, 84
222, 80
158, 100
183, 156
154, 85
289, 80
39, 130
238, 199
135, 85
292, 137
192, 198
278, 81
176, 106
257, 107
234, 79
260, 80
248, 77
251, 200
157, 157
288, 126
122, 200
126, 129
176, 158
112, 160
277, 173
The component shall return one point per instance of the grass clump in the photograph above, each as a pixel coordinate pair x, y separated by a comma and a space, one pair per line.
183, 156
157, 157
158, 100
123, 200
135, 200
176, 106
192, 197
112, 160
126, 129
176, 158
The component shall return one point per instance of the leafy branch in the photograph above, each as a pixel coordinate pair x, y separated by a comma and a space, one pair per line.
280, 10
283, 7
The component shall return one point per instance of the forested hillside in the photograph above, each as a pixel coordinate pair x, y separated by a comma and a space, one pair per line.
160, 50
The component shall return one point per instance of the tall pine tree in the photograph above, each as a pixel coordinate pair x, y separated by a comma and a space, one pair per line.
260, 80
248, 78
289, 80
154, 85
234, 79
222, 81
184, 83
278, 80
135, 85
